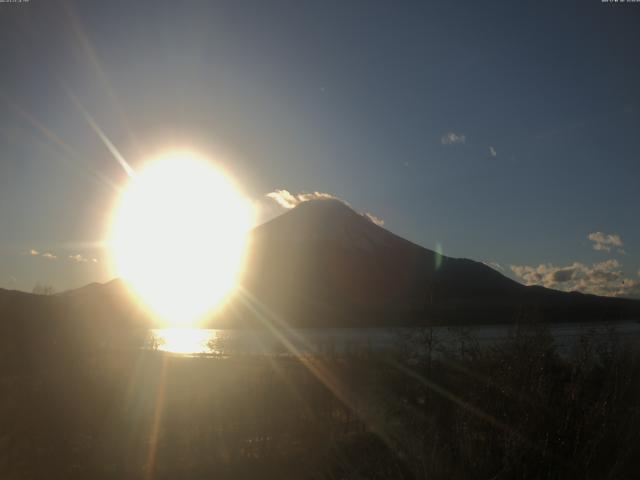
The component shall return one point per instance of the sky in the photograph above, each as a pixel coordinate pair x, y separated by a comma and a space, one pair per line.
505, 132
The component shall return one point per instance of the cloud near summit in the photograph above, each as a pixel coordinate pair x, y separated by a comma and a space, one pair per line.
289, 200
374, 219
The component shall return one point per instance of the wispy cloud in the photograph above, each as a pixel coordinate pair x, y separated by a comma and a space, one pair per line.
451, 138
492, 151
81, 259
378, 221
305, 197
289, 200
605, 242
35, 253
283, 198
603, 278
77, 258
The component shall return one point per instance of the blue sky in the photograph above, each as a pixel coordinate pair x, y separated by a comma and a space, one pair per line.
504, 131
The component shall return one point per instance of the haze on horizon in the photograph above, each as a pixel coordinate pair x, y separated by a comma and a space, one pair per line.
503, 132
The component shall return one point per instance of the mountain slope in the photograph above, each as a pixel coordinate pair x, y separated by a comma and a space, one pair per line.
97, 314
323, 264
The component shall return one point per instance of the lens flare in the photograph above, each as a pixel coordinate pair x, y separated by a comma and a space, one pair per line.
179, 237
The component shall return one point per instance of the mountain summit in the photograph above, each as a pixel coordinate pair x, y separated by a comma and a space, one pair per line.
323, 264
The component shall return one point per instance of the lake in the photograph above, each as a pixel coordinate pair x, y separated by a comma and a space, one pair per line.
343, 340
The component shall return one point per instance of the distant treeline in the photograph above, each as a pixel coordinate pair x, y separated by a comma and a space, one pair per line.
76, 408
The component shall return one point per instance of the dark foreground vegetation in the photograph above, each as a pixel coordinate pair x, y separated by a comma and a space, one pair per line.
517, 409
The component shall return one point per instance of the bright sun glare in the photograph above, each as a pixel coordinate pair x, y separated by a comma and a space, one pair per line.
179, 235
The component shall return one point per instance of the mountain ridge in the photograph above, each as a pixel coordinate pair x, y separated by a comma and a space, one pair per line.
323, 264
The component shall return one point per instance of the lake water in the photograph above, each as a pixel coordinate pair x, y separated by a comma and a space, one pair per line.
343, 340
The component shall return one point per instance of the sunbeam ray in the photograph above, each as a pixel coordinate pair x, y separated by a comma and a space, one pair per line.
85, 43
314, 364
98, 131
55, 139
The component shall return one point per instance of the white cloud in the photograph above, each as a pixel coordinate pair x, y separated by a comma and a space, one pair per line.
35, 253
305, 197
451, 138
374, 219
606, 242
288, 200
81, 259
603, 278
284, 198
78, 258
492, 151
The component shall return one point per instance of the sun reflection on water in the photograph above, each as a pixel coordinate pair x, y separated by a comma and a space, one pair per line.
185, 341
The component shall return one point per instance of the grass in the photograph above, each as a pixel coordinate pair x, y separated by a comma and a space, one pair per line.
519, 408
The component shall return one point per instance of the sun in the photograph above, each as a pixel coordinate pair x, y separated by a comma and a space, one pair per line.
179, 237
